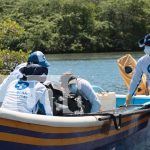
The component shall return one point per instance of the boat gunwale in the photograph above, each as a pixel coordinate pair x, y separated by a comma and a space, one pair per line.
87, 120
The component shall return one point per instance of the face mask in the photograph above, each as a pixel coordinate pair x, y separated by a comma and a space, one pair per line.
147, 50
73, 88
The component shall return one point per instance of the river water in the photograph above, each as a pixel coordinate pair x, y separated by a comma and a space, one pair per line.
100, 69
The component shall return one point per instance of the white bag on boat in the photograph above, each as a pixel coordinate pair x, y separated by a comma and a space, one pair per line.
108, 100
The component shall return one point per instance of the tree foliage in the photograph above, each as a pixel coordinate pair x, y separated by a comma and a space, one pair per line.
10, 34
10, 59
63, 26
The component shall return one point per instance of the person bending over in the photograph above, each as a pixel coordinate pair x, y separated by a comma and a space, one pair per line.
81, 87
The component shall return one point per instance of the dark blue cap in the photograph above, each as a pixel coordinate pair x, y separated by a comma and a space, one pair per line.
38, 57
144, 41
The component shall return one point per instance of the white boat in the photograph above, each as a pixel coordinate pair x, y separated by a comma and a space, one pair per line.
115, 129
124, 128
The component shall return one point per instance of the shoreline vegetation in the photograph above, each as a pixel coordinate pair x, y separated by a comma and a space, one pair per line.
69, 26
10, 59
73, 26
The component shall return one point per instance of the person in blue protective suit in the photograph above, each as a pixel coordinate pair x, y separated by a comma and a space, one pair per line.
81, 87
25, 94
36, 57
142, 67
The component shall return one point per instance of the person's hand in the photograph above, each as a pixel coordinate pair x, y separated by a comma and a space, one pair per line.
102, 109
128, 99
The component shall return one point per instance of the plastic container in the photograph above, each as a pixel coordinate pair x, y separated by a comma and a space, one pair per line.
108, 100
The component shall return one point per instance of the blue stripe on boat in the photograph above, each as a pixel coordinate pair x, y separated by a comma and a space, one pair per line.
24, 132
90, 145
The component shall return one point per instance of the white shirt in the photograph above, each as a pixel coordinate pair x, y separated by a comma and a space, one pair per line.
16, 74
143, 66
23, 96
85, 89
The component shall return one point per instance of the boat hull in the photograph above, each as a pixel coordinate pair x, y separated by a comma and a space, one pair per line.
95, 133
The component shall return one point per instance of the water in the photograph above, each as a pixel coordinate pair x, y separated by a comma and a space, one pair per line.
100, 69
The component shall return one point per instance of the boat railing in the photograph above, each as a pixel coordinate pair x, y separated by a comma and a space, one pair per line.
117, 114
